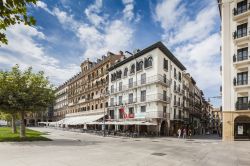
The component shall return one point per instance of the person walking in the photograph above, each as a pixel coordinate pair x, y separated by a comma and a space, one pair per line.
184, 133
179, 133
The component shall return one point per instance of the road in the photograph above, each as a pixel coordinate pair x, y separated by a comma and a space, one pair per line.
80, 149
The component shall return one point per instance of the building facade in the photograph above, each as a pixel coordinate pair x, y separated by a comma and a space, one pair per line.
61, 102
235, 19
147, 92
85, 93
151, 86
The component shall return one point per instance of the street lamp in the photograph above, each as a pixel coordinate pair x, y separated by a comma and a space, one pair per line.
102, 95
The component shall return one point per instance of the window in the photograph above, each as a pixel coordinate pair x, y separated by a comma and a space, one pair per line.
143, 108
120, 100
174, 100
101, 105
131, 110
180, 114
92, 107
125, 72
130, 83
112, 88
165, 64
241, 7
174, 113
179, 76
119, 74
242, 54
165, 95
139, 66
96, 106
132, 69
143, 95
120, 86
130, 98
242, 78
175, 88
165, 111
112, 102
242, 30
175, 74
143, 78
148, 62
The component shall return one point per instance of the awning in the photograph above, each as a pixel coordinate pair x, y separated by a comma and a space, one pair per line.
78, 120
125, 123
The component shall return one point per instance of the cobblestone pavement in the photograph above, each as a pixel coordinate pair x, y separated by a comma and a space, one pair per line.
80, 149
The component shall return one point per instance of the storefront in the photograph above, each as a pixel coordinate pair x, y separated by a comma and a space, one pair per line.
242, 127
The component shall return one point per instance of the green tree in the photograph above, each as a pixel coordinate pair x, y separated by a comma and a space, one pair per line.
6, 100
32, 92
13, 12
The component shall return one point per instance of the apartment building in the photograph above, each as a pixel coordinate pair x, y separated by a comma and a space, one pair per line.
145, 88
196, 108
235, 34
84, 96
61, 102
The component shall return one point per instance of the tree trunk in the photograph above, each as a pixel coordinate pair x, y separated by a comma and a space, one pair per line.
22, 125
13, 123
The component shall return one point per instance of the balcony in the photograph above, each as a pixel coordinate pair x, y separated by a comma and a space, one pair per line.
241, 37
142, 99
242, 106
240, 84
157, 114
240, 60
240, 13
148, 80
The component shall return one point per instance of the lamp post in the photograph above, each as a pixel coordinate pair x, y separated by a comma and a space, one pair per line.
104, 127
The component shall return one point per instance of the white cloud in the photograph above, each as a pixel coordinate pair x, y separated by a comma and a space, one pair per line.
41, 4
194, 40
98, 41
23, 49
92, 13
128, 10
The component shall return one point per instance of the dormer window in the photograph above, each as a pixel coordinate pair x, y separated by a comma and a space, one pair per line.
126, 72
148, 62
139, 66
119, 74
132, 69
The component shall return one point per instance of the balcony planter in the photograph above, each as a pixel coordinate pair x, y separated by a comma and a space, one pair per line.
234, 58
235, 81
234, 35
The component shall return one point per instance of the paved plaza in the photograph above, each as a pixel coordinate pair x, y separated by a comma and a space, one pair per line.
80, 149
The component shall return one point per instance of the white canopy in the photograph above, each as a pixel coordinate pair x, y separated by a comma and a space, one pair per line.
78, 120
125, 123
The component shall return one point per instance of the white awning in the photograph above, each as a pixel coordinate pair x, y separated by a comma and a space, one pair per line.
78, 120
125, 123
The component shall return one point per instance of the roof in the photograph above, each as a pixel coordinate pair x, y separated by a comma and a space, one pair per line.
159, 45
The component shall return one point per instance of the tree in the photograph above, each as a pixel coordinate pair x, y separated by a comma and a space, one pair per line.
31, 92
6, 99
13, 12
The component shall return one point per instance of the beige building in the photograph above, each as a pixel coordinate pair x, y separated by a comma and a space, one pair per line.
235, 20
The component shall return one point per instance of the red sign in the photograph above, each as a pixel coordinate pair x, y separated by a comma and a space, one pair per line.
131, 115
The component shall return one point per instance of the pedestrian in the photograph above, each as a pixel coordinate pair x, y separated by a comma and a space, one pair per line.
179, 133
189, 133
184, 133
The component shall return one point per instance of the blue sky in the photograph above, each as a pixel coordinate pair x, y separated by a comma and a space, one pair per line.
69, 31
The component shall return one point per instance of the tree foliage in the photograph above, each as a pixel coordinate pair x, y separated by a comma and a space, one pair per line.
24, 92
13, 12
